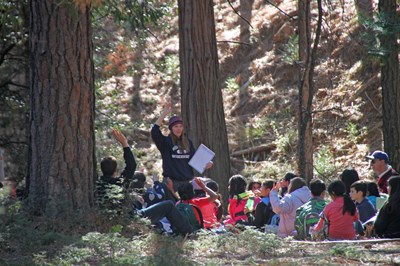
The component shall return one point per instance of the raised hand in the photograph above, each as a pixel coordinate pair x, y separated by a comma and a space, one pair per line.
120, 137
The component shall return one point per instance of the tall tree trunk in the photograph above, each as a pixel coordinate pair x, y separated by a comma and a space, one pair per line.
307, 57
390, 81
202, 105
305, 149
365, 13
62, 158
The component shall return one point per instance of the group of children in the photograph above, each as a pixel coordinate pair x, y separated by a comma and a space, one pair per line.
178, 203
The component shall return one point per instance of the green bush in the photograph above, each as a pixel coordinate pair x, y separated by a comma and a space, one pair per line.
324, 163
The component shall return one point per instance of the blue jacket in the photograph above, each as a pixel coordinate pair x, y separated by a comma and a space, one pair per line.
174, 160
366, 209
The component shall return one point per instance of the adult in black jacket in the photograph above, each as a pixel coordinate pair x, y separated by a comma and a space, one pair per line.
176, 149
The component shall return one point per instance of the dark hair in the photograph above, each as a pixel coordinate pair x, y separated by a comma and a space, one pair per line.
372, 189
348, 177
269, 183
296, 183
337, 188
138, 180
289, 176
250, 185
108, 165
211, 184
394, 196
317, 186
237, 185
360, 185
186, 191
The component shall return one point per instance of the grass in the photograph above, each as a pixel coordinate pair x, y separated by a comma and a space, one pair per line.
28, 240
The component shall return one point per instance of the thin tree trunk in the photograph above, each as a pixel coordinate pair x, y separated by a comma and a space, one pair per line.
390, 81
306, 89
62, 158
305, 144
202, 105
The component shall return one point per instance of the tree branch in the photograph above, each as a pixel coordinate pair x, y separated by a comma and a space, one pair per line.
245, 43
239, 14
280, 10
5, 52
261, 148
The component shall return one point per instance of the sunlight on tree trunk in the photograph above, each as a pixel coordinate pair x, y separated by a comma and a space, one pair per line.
61, 152
202, 105
390, 81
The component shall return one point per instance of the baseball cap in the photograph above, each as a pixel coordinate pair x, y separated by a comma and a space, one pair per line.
380, 155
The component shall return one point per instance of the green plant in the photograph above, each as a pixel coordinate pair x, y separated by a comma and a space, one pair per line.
231, 84
291, 51
354, 133
348, 251
324, 162
286, 141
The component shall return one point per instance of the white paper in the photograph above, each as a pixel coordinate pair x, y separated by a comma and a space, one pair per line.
201, 158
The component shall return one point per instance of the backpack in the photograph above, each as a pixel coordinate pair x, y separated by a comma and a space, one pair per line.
189, 212
307, 216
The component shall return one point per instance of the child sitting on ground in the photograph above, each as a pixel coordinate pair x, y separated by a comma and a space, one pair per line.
308, 214
253, 201
338, 216
372, 192
205, 204
358, 192
387, 223
263, 212
218, 209
298, 194
237, 201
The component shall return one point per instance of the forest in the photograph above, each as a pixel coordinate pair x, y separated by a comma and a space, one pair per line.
274, 86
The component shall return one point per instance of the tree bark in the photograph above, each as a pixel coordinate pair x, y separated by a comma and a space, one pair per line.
390, 81
61, 152
202, 105
307, 56
305, 149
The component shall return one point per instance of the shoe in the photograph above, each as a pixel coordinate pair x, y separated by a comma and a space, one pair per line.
135, 210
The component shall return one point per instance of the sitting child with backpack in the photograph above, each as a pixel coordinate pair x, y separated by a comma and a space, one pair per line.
298, 194
204, 207
308, 214
338, 217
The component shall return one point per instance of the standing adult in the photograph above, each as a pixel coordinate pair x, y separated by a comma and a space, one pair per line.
176, 149
379, 162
